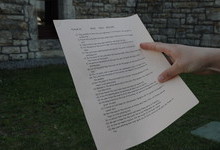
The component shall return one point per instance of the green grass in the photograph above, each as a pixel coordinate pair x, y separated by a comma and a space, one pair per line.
40, 110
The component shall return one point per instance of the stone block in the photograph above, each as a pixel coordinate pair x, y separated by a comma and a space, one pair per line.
181, 33
185, 10
93, 11
185, 4
172, 40
7, 8
33, 45
6, 35
104, 14
3, 16
189, 30
131, 3
33, 35
153, 8
162, 15
16, 17
4, 57
26, 18
31, 55
49, 54
201, 16
186, 41
104, 1
21, 35
109, 7
187, 26
5, 42
146, 18
193, 36
8, 24
153, 30
210, 131
89, 4
98, 4
157, 25
183, 21
197, 42
170, 32
23, 25
142, 5
160, 38
206, 4
212, 40
217, 2
32, 23
113, 1
217, 28
46, 45
115, 15
167, 5
203, 29
213, 14
150, 25
17, 56
82, 11
80, 1
198, 10
124, 10
19, 42
178, 15
10, 50
24, 49
204, 22
101, 9
191, 19
5, 38
140, 10
20, 2
173, 23
160, 21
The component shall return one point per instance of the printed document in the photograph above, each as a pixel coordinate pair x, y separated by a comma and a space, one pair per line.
116, 81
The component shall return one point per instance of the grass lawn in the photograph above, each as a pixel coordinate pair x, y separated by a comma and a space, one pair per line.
40, 110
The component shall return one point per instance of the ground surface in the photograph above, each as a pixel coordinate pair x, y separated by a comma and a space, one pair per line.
39, 109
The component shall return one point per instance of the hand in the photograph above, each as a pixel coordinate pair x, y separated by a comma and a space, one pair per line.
186, 59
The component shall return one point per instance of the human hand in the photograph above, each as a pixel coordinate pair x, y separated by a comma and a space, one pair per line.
186, 59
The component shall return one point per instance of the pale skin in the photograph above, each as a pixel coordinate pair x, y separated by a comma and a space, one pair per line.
186, 59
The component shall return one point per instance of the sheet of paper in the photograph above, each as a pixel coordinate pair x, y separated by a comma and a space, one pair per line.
116, 81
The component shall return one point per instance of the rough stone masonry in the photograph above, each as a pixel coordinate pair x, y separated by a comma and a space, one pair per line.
174, 21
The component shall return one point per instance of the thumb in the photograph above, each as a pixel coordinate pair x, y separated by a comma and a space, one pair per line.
170, 73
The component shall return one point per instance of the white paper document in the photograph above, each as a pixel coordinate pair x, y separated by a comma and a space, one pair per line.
116, 81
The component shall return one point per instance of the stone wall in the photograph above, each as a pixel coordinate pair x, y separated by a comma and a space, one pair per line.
17, 30
174, 21
19, 33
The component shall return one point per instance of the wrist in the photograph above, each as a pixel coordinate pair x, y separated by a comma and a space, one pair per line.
213, 59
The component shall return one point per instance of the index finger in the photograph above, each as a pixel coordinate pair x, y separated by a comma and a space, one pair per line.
156, 46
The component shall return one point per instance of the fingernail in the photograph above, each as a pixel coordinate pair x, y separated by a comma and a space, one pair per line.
161, 78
